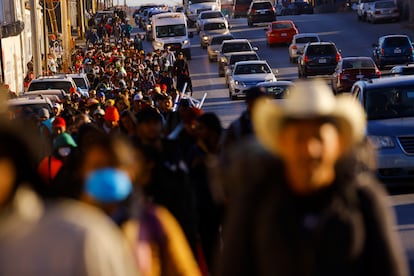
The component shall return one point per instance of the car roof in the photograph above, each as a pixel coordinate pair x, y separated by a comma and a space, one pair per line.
321, 43
282, 21
387, 82
210, 11
237, 40
242, 53
394, 35
251, 62
306, 35
355, 58
272, 83
214, 20
45, 91
28, 100
53, 78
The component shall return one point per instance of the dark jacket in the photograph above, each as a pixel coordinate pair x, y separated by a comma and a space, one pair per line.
346, 229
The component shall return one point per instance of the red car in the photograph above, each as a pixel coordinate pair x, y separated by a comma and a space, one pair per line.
352, 69
280, 32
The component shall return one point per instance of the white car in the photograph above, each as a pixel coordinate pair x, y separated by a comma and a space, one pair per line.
206, 15
363, 7
298, 43
247, 74
212, 27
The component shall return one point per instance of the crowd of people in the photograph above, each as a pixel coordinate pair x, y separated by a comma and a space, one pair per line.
136, 179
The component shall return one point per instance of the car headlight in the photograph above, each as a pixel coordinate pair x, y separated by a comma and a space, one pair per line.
223, 60
380, 142
148, 27
185, 42
205, 38
237, 82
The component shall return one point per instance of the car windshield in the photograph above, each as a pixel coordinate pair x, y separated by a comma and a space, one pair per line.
236, 47
321, 50
237, 58
388, 103
214, 26
44, 85
358, 64
245, 69
281, 26
80, 82
201, 1
396, 42
262, 6
219, 39
170, 30
384, 5
307, 39
208, 15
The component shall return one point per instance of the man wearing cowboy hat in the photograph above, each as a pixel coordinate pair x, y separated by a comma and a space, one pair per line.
307, 208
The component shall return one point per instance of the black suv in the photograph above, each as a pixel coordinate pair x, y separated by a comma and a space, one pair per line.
393, 49
318, 58
297, 8
260, 12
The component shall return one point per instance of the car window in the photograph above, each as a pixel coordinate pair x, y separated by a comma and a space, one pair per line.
358, 63
384, 5
80, 82
208, 15
214, 26
219, 40
236, 47
262, 6
44, 85
281, 26
251, 69
307, 39
237, 58
386, 103
396, 42
321, 50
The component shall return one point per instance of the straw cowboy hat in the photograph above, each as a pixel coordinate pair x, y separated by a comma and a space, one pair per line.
309, 100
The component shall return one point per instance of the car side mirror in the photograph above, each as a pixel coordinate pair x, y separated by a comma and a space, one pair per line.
275, 71
255, 49
190, 34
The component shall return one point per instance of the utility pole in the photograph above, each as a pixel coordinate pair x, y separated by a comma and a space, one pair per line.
37, 61
65, 34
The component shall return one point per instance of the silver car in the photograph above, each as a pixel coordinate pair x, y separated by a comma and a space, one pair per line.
247, 74
298, 43
382, 11
236, 57
212, 27
207, 15
214, 45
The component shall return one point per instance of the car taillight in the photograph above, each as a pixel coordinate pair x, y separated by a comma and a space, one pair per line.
305, 59
253, 11
340, 76
411, 50
382, 51
294, 47
338, 57
377, 12
273, 9
378, 73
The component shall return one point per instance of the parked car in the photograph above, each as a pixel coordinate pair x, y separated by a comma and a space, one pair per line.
318, 58
351, 69
393, 50
228, 47
389, 106
51, 94
260, 11
82, 83
280, 32
212, 27
206, 15
53, 82
247, 74
362, 9
236, 57
28, 105
401, 70
383, 11
215, 43
298, 43
297, 8
278, 9
276, 89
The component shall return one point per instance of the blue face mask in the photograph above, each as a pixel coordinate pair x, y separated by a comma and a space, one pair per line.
108, 185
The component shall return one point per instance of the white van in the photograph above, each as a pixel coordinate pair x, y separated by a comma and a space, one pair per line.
170, 29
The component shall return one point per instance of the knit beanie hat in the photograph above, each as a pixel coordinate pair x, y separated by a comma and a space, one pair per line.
111, 114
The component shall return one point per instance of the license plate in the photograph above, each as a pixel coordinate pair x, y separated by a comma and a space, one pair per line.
262, 12
397, 51
322, 60
283, 34
360, 76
